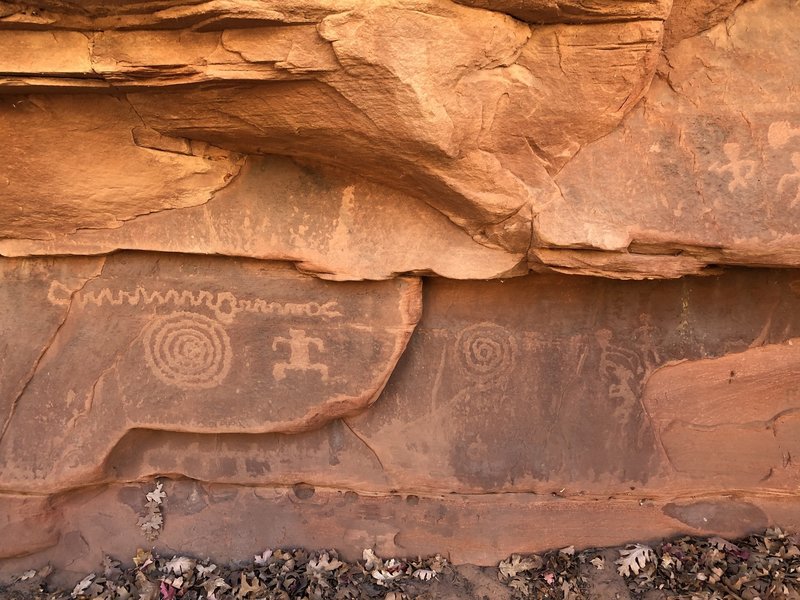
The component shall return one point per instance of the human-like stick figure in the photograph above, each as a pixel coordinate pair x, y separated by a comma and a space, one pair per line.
299, 356
792, 179
741, 170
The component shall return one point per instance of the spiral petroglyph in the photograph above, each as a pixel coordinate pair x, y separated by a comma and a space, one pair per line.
188, 350
487, 351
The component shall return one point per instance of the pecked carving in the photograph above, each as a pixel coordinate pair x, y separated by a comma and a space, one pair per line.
215, 218
237, 347
188, 350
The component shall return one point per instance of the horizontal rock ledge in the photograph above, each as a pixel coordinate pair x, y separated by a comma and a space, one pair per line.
224, 522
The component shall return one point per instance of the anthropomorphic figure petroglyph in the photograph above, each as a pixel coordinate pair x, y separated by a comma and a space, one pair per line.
299, 354
740, 170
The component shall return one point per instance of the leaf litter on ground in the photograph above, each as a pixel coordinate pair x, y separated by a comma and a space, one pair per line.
273, 575
758, 567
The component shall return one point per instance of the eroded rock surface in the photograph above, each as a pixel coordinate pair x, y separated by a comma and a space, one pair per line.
525, 133
707, 166
596, 387
280, 210
192, 345
220, 521
462, 108
72, 162
582, 391
707, 419
214, 217
577, 11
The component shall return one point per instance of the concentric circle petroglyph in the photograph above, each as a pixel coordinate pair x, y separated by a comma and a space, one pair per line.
188, 350
487, 351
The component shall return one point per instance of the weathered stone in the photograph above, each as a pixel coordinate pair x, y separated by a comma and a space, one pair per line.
484, 176
377, 140
707, 418
24, 336
362, 89
28, 524
336, 228
332, 457
71, 162
224, 522
701, 173
577, 11
598, 387
710, 515
189, 345
688, 18
568, 384
708, 166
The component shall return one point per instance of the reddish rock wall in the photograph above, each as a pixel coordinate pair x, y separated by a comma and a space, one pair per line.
417, 275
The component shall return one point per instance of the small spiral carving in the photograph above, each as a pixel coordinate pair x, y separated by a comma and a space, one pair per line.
188, 350
487, 351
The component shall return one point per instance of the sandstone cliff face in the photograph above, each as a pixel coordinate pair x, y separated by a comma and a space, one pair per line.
467, 110
396, 272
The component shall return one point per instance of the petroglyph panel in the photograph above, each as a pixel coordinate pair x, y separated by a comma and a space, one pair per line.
547, 383
561, 384
487, 352
708, 166
184, 344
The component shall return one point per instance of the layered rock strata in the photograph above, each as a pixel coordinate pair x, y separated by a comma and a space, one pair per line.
414, 275
652, 399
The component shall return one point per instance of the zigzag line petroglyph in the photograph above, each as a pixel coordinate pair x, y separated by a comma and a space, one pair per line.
224, 305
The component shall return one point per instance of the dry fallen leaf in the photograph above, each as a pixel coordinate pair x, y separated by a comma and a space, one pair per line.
324, 563
424, 574
568, 551
203, 571
143, 558
633, 559
212, 585
382, 575
151, 522
167, 591
146, 589
122, 593
246, 588
516, 564
82, 586
370, 560
157, 495
180, 565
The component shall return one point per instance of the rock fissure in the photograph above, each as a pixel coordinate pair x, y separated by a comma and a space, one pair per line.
35, 367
